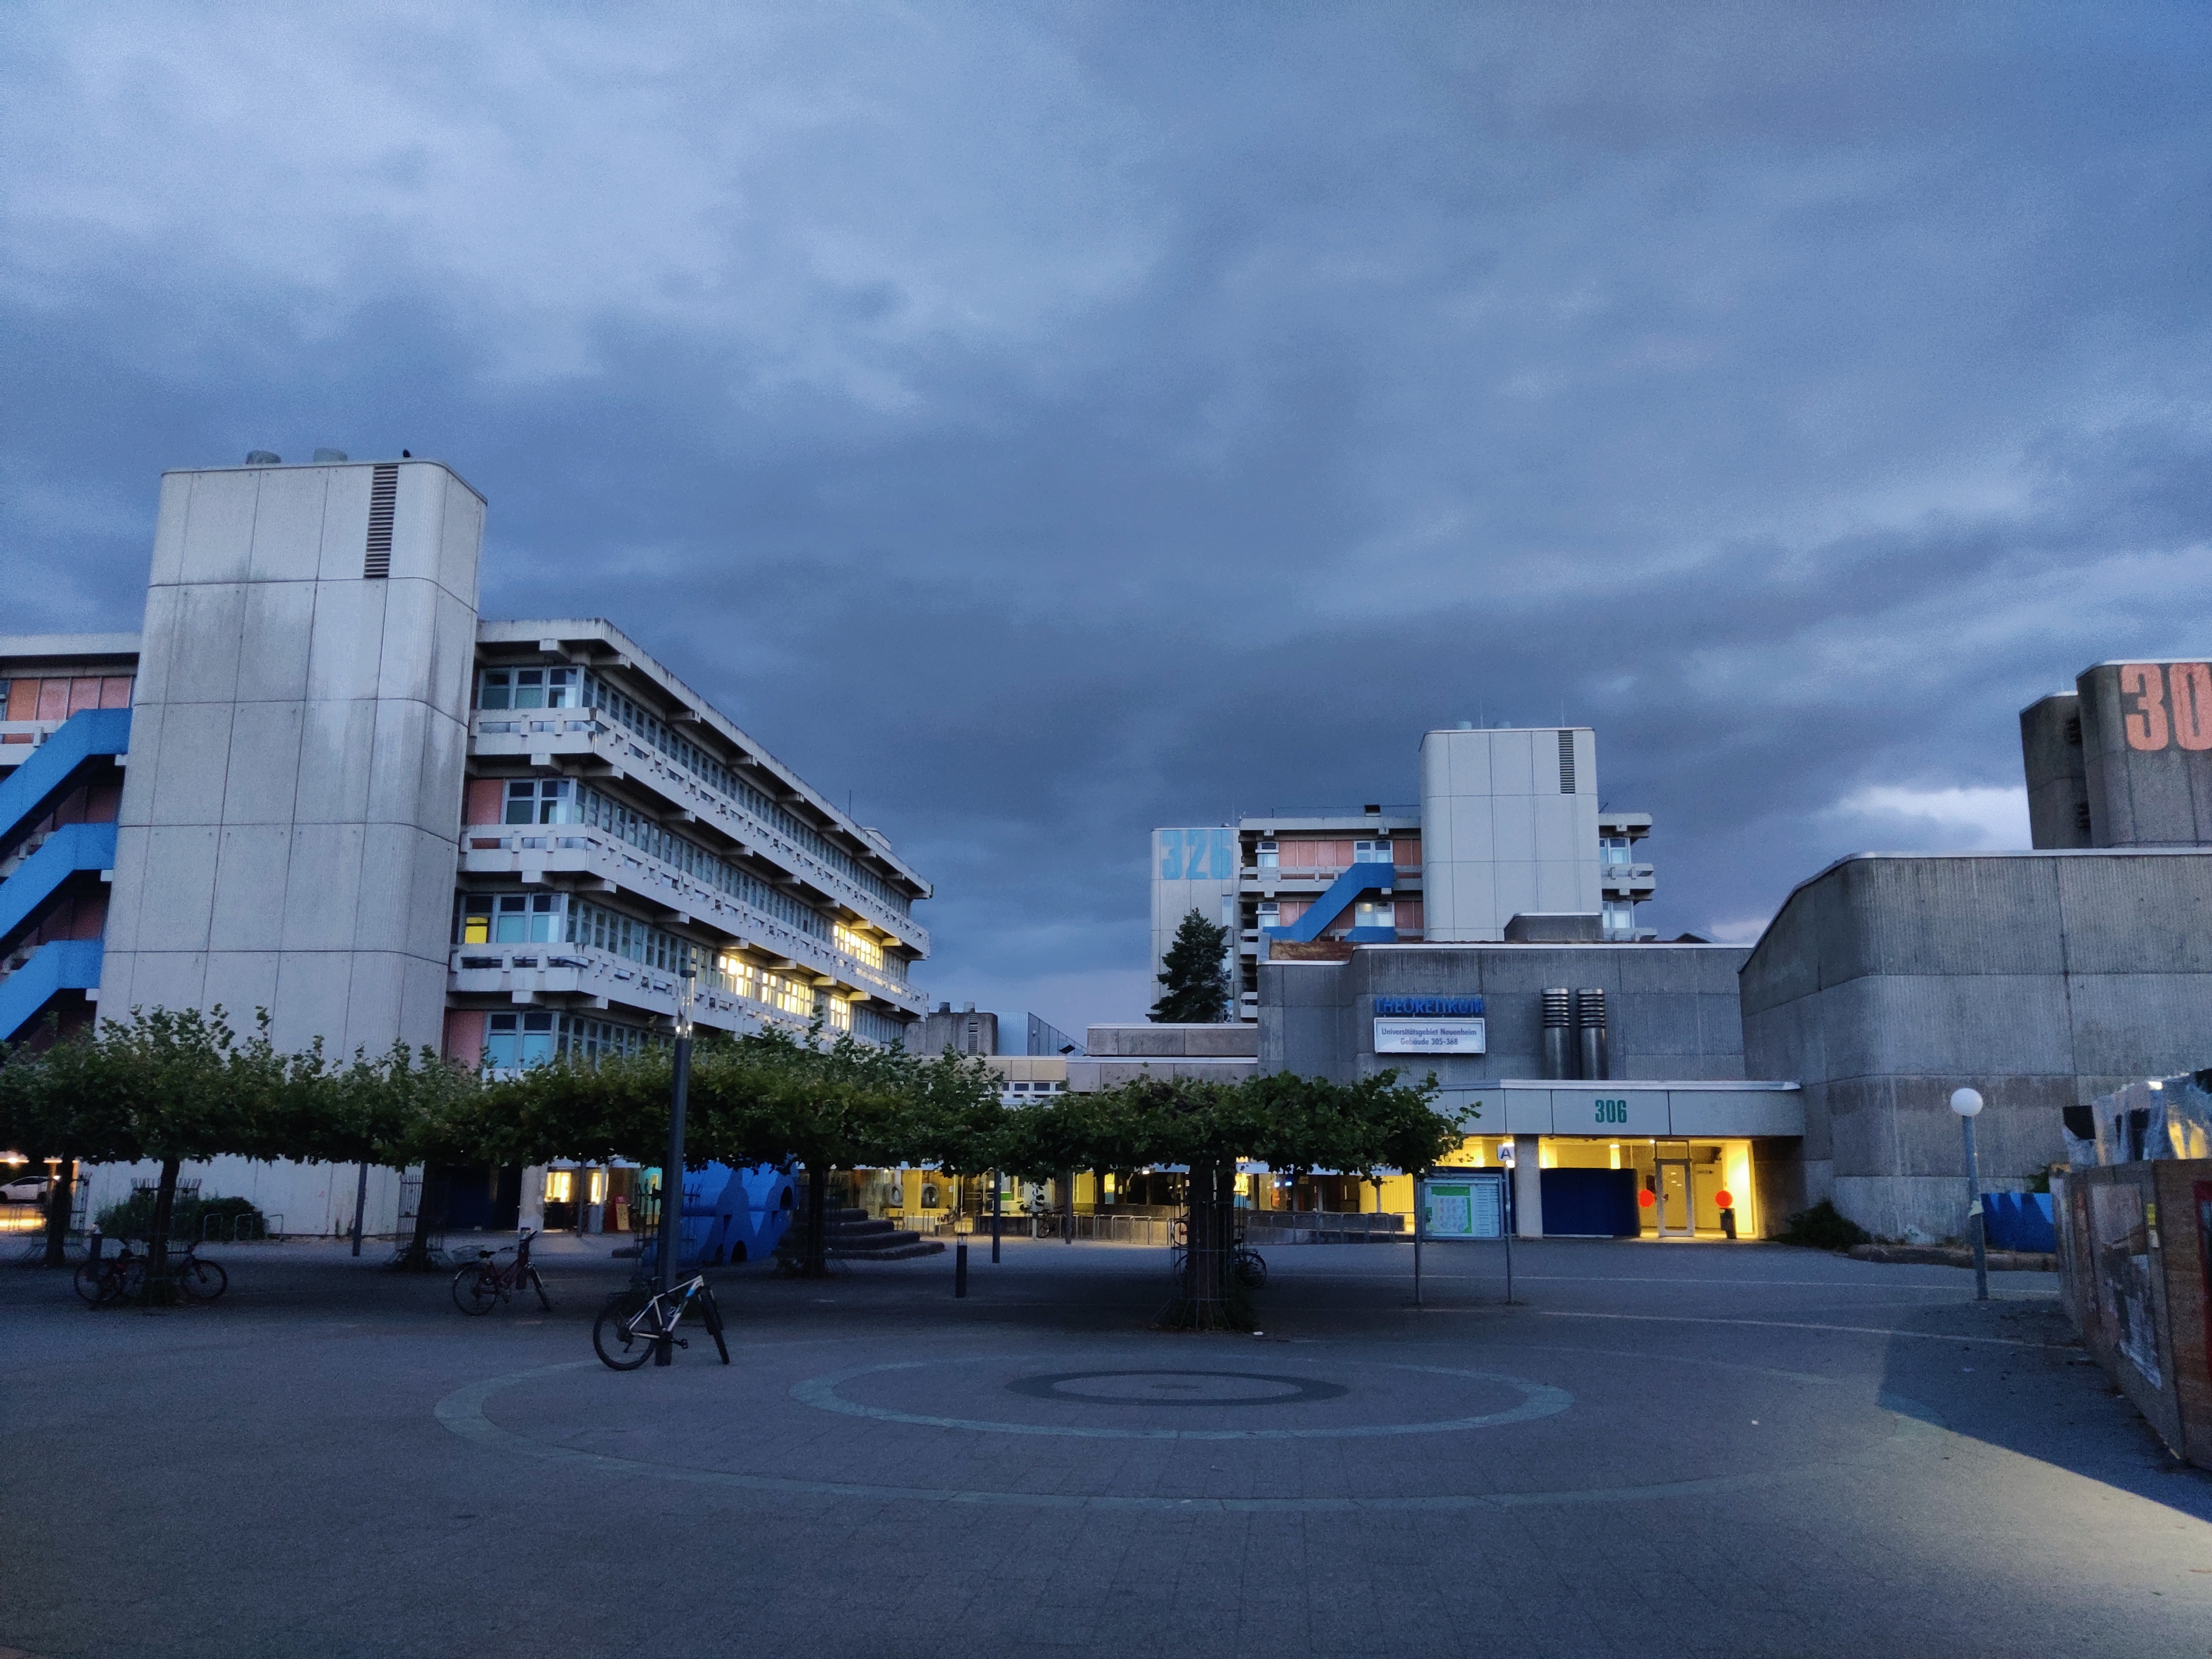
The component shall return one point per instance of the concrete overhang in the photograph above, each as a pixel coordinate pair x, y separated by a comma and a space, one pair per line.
565, 632
1630, 1108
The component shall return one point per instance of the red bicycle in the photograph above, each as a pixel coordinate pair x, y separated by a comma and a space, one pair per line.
481, 1285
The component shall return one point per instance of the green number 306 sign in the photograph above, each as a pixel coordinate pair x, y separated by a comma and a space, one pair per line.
1612, 1111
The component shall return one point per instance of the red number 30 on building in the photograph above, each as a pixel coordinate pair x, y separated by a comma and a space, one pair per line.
2144, 688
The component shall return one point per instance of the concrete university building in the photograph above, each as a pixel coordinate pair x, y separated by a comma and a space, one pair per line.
317, 781
1643, 1086
1508, 827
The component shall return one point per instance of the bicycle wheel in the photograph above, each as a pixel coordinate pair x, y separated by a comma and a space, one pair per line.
201, 1281
615, 1335
475, 1289
91, 1280
714, 1316
128, 1282
1251, 1269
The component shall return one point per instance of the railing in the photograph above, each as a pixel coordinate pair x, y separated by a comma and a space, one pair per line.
691, 896
1325, 1226
752, 827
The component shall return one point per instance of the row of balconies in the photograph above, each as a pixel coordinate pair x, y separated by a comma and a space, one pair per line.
579, 975
539, 737
531, 853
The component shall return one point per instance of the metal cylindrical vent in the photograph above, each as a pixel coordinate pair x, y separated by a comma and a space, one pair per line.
1559, 1039
1590, 1034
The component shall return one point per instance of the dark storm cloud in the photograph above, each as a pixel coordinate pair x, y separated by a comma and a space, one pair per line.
1046, 425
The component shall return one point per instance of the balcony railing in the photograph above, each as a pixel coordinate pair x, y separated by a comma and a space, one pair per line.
583, 849
569, 732
526, 973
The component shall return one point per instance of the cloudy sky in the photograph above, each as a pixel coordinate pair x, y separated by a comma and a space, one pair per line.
1046, 422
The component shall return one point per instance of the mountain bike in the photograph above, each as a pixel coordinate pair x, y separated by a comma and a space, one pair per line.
635, 1321
481, 1285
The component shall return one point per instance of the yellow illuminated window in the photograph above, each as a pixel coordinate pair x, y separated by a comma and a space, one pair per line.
598, 1186
860, 945
560, 1186
841, 1014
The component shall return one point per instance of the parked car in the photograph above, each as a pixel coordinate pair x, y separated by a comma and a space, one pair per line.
24, 1190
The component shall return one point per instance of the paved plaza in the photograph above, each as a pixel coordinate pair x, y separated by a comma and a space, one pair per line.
1661, 1449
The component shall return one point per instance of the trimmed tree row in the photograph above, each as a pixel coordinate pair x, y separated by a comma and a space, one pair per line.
173, 1087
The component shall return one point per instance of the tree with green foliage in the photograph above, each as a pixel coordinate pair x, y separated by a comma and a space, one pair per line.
1286, 1120
1197, 976
769, 1096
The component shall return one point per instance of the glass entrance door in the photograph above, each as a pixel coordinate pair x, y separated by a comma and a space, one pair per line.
1675, 1218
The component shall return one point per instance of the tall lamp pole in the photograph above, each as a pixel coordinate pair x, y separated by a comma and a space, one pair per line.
672, 1172
1967, 1103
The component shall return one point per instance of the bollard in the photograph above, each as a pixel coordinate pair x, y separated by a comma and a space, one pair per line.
1728, 1222
960, 1268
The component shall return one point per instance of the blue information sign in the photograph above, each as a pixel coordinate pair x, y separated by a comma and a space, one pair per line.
1428, 1007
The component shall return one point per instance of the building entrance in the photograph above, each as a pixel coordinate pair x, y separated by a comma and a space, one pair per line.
1672, 1212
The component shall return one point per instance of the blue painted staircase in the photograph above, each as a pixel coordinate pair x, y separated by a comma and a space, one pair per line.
27, 794
32, 788
1369, 876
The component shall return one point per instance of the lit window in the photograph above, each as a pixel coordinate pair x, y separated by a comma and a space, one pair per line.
1366, 915
560, 1186
859, 946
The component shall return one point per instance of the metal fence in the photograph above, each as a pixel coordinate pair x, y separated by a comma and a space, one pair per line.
1273, 1228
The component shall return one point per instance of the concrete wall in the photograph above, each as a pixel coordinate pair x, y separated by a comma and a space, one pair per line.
2042, 979
1672, 1009
2058, 781
1193, 870
1500, 834
1176, 1042
292, 800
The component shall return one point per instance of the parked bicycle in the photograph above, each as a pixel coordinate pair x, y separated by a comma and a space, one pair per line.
636, 1321
122, 1277
1247, 1263
481, 1285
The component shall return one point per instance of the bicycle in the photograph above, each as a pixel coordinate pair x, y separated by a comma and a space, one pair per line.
122, 1277
481, 1285
636, 1321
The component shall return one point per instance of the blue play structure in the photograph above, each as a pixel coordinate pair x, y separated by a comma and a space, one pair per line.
2018, 1221
729, 1215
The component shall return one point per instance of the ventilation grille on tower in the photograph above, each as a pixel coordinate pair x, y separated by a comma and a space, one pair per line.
1566, 762
383, 495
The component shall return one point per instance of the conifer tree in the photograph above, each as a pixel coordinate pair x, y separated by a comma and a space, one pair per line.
1196, 980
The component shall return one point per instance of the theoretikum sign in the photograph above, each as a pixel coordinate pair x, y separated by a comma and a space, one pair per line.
1429, 1025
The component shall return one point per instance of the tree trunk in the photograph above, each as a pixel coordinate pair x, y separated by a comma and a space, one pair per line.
417, 1257
158, 1288
1210, 1298
817, 1264
61, 1199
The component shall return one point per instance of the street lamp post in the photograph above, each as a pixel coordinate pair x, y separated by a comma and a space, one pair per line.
672, 1172
1967, 1103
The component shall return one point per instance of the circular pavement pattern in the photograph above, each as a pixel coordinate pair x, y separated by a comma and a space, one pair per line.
1176, 1387
572, 1414
1537, 1399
